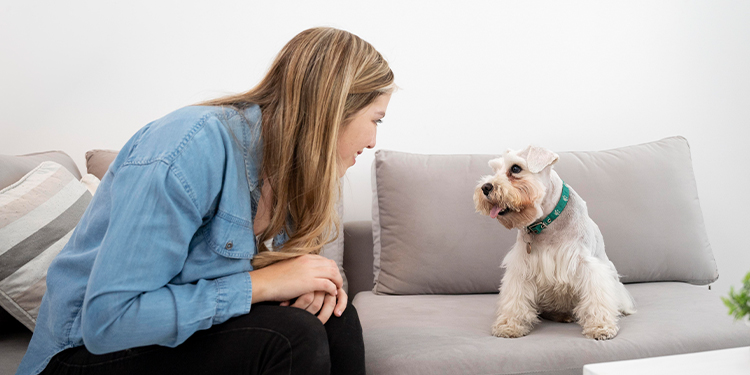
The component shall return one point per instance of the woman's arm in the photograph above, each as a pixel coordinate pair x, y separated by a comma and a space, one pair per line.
294, 277
129, 301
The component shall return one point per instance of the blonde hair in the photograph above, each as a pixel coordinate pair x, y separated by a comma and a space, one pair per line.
319, 80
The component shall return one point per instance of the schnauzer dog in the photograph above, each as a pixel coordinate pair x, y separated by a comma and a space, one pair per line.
557, 268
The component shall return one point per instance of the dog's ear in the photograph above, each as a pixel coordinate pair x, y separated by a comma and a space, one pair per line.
538, 158
496, 164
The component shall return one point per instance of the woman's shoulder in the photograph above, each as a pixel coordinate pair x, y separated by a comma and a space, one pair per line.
206, 129
199, 146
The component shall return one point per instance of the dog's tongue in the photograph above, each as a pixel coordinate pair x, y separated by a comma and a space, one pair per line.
495, 210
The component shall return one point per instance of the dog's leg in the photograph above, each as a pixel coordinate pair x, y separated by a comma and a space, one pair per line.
516, 311
627, 303
597, 310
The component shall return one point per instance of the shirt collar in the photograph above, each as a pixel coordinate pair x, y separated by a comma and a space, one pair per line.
244, 126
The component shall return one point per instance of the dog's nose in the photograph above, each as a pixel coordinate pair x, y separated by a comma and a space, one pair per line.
487, 188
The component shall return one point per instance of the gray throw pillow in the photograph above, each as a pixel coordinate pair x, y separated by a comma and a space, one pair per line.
335, 250
428, 239
98, 161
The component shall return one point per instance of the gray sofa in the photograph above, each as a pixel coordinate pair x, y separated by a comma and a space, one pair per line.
424, 272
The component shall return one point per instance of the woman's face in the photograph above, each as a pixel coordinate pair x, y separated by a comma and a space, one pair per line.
360, 132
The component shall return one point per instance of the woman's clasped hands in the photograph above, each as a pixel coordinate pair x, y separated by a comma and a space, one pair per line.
309, 282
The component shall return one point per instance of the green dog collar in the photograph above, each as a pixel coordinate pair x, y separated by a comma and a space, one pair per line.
539, 226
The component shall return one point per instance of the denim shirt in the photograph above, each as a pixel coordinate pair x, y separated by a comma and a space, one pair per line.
164, 248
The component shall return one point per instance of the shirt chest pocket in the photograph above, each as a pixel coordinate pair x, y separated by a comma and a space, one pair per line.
230, 236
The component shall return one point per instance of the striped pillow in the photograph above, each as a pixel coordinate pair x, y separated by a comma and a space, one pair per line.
37, 216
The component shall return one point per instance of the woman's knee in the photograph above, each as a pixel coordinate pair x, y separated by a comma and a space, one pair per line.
345, 332
308, 339
298, 338
347, 322
347, 348
298, 321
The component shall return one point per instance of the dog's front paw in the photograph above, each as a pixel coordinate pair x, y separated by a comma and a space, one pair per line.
508, 328
604, 331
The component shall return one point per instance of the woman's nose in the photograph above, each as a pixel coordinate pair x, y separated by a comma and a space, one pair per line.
372, 141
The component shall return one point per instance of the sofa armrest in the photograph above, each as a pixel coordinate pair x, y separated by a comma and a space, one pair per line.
358, 256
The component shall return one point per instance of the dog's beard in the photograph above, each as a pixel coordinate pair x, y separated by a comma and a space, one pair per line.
514, 204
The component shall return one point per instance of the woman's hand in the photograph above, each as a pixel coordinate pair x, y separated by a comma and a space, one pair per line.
292, 278
321, 304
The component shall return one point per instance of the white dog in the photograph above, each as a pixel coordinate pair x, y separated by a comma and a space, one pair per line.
557, 267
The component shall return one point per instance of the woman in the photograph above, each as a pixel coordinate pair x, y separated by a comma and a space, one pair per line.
168, 270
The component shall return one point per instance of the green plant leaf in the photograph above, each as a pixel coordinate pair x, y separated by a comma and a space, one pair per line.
738, 302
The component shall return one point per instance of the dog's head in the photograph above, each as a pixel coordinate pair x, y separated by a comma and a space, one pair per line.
514, 193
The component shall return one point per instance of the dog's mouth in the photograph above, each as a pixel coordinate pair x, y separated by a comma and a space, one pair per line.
497, 211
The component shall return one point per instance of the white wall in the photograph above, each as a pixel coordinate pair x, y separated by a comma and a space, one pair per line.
476, 77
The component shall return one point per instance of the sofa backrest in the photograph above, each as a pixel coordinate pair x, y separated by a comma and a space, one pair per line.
428, 239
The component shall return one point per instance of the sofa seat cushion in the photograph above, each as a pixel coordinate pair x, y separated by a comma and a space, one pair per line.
14, 339
450, 334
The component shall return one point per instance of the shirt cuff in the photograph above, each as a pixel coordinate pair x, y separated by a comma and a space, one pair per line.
234, 296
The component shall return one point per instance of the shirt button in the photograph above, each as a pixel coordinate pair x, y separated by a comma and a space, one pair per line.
229, 245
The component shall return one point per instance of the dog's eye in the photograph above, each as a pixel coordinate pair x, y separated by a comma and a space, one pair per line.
516, 169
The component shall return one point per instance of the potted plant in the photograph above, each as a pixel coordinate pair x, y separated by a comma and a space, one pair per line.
739, 302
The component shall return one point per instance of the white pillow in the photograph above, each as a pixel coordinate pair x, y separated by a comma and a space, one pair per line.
335, 250
90, 182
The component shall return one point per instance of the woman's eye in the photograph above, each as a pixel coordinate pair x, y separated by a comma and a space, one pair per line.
379, 121
515, 169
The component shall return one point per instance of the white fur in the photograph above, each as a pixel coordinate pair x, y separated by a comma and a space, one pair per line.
566, 272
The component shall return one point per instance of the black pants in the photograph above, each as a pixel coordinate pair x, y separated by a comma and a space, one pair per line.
271, 339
